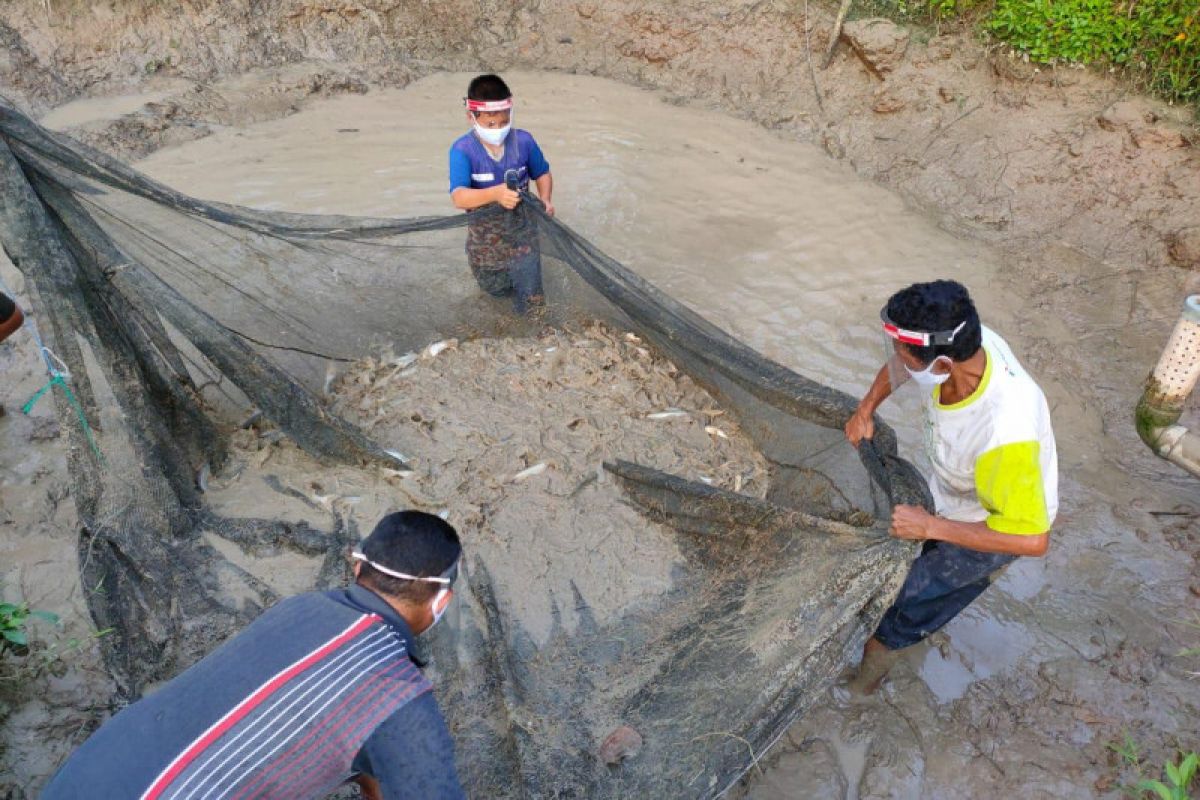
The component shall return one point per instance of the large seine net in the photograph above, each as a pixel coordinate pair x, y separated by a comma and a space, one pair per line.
147, 296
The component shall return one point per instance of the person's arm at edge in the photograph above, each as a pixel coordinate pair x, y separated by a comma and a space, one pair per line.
10, 326
412, 755
861, 425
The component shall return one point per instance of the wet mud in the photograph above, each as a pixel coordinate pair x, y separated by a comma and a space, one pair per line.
508, 437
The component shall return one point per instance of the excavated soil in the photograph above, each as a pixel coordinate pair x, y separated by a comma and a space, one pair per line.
1073, 205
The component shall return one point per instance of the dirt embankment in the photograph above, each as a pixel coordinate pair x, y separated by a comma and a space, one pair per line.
1027, 157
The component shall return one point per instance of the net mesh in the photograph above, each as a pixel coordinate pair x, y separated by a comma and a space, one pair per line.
171, 313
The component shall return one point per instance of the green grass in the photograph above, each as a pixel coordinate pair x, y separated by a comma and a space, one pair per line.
1178, 775
28, 653
14, 617
1154, 43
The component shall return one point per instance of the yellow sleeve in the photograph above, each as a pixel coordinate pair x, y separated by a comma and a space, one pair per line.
1008, 482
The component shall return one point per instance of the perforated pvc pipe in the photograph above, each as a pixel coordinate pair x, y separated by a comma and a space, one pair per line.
1168, 388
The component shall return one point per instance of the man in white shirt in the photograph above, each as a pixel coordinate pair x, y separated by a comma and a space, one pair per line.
995, 466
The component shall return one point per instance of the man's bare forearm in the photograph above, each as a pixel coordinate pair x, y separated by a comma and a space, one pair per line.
545, 187
467, 199
978, 536
881, 389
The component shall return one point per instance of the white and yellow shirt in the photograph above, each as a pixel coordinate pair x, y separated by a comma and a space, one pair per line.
993, 454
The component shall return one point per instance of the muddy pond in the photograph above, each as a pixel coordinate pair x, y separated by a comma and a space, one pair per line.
793, 254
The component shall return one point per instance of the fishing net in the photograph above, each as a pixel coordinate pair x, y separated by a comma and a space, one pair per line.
169, 316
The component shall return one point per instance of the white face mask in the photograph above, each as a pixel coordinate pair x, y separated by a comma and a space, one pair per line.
926, 377
493, 136
437, 613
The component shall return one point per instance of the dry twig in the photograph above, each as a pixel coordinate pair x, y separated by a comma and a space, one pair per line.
837, 33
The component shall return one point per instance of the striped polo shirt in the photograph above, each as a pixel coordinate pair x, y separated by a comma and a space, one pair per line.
289, 708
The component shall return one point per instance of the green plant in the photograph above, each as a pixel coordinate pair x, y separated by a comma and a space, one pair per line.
13, 620
1179, 775
920, 10
1129, 751
1155, 44
1156, 41
947, 9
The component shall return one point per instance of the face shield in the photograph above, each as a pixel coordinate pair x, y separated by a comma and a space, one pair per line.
478, 106
494, 136
893, 337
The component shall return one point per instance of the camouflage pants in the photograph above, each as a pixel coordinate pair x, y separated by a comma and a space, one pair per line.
504, 256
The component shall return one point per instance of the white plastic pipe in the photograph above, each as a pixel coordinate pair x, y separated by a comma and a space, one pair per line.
1167, 390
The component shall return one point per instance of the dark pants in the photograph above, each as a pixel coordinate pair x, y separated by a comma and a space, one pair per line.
521, 280
943, 581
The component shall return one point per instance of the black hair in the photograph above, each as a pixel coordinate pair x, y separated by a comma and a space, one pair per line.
934, 307
488, 87
414, 543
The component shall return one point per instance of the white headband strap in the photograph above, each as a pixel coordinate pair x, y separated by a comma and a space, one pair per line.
357, 555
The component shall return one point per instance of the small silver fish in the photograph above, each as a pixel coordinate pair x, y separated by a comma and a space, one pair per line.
713, 430
438, 347
529, 472
396, 473
330, 376
406, 359
325, 501
670, 413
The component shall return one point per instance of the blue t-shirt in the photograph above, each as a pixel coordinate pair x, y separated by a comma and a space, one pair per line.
472, 167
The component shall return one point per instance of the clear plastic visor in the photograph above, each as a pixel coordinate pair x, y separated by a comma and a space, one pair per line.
894, 338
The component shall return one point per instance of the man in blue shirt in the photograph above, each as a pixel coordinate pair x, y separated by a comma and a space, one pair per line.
320, 689
492, 164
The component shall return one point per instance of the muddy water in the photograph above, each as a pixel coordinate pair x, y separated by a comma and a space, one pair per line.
93, 109
794, 254
768, 238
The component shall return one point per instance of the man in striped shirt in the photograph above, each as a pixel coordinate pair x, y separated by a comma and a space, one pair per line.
319, 690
